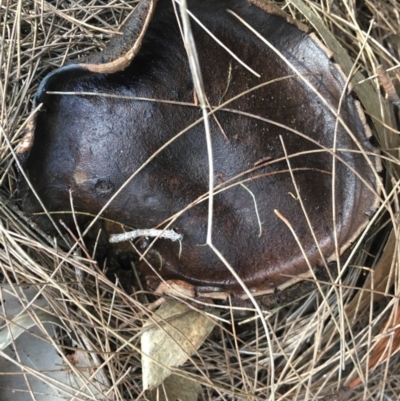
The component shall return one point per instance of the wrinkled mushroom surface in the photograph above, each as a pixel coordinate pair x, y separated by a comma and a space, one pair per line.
92, 145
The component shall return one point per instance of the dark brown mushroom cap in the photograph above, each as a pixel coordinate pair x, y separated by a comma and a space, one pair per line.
93, 144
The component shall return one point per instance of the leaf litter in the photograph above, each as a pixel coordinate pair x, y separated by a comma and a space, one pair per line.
314, 355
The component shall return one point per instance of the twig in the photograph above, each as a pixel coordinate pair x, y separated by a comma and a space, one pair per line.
147, 232
387, 85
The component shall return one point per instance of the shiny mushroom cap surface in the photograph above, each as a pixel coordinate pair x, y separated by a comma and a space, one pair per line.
291, 173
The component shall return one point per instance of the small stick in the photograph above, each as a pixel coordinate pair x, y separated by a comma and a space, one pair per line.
387, 84
148, 232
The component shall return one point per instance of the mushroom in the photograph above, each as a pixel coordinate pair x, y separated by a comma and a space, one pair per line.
295, 180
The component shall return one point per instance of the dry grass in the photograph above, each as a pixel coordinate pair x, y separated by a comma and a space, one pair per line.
319, 345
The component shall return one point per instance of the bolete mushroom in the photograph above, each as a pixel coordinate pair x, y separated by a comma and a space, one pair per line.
295, 179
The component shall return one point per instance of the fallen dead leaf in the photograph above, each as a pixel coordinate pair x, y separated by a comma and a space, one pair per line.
386, 346
173, 334
176, 388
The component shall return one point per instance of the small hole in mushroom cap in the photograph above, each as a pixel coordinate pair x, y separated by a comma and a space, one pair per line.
103, 186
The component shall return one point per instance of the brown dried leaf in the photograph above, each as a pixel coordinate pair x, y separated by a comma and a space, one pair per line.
375, 285
387, 346
381, 278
